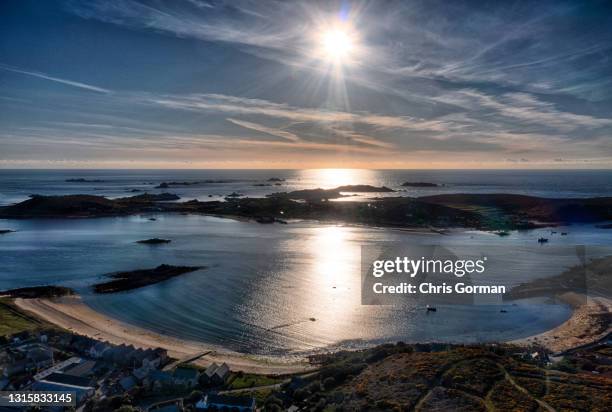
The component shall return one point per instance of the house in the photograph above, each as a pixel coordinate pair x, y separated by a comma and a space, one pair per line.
222, 373
64, 379
82, 387
83, 369
98, 349
155, 358
141, 373
40, 357
208, 374
185, 376
222, 402
128, 383
160, 379
16, 367
215, 374
58, 367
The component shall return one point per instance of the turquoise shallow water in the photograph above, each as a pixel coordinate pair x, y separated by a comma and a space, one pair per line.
263, 283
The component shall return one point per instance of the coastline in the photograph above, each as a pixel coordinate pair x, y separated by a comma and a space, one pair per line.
589, 323
72, 314
582, 328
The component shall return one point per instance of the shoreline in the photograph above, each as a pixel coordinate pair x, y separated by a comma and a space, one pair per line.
72, 314
588, 324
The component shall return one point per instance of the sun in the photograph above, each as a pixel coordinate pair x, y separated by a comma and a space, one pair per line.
337, 44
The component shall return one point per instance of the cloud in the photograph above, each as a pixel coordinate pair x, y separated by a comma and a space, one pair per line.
524, 107
247, 106
268, 130
55, 79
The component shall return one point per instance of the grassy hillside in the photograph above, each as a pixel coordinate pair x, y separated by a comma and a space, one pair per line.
458, 378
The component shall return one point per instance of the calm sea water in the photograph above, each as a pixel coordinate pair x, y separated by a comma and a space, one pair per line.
263, 283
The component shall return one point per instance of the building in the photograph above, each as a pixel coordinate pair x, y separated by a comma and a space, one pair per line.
82, 387
215, 374
185, 376
97, 350
222, 402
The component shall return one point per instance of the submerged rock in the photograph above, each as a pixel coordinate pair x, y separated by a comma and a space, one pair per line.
135, 279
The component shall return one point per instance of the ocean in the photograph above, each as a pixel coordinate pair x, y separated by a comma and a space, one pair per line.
284, 289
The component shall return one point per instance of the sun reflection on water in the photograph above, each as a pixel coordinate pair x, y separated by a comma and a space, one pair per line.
330, 178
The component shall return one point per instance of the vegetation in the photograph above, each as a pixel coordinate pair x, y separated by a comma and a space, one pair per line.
248, 380
484, 211
34, 292
436, 377
14, 321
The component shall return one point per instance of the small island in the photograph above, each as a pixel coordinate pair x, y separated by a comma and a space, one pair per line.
5, 231
420, 184
154, 241
123, 281
83, 180
148, 197
335, 193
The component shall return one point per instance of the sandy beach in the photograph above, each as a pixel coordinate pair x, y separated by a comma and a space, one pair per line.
72, 314
590, 322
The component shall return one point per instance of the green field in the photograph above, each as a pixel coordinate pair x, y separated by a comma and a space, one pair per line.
12, 320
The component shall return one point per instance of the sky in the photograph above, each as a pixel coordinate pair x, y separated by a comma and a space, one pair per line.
288, 84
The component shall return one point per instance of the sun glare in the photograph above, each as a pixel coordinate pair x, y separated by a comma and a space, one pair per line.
337, 44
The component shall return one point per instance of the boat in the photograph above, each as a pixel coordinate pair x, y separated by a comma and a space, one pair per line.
542, 240
431, 309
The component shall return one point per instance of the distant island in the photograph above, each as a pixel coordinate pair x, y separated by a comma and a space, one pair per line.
495, 212
5, 231
154, 241
83, 180
420, 184
123, 281
335, 193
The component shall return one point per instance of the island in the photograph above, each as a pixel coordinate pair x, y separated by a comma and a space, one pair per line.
83, 180
147, 197
154, 241
335, 193
5, 231
493, 212
123, 281
419, 184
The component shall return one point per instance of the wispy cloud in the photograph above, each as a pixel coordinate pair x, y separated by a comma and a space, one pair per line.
264, 129
55, 79
247, 106
525, 108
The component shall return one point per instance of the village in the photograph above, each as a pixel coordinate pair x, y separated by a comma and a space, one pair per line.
103, 376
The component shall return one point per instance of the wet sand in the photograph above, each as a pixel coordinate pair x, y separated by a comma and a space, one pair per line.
589, 323
72, 314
